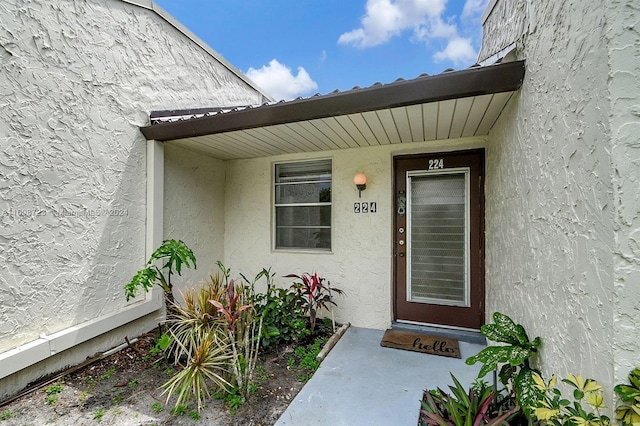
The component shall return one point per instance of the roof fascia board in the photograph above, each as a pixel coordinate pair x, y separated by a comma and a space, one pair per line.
449, 85
152, 6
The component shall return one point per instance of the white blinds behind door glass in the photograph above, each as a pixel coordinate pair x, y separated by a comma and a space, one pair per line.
437, 239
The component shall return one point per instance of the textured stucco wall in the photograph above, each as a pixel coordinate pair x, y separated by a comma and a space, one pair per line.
360, 262
77, 79
194, 209
549, 219
503, 27
623, 37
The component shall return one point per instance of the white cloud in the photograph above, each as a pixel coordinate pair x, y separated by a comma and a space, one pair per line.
459, 51
278, 80
385, 19
474, 8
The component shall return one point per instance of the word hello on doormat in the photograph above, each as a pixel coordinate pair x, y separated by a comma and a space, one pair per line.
418, 342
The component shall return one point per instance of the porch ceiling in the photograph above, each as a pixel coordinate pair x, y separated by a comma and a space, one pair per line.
445, 106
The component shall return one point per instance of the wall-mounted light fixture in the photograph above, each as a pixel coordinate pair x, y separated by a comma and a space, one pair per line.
361, 183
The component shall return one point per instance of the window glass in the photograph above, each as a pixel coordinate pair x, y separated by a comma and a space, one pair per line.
303, 205
437, 238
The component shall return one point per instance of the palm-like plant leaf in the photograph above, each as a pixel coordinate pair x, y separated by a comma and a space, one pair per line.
176, 254
144, 278
209, 364
192, 320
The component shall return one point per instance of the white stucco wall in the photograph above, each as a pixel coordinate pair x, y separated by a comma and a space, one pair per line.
623, 37
77, 80
360, 262
194, 210
561, 217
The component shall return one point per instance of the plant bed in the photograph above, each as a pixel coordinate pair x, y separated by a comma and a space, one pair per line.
125, 388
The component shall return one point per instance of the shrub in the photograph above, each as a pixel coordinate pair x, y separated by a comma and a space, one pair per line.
479, 406
282, 313
316, 294
195, 319
554, 410
628, 411
176, 254
198, 344
209, 362
516, 373
243, 327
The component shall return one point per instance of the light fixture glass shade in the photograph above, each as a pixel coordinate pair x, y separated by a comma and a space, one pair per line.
360, 179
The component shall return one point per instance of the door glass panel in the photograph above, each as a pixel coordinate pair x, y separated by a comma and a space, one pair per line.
438, 238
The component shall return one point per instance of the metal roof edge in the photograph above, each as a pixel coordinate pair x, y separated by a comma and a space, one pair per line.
166, 16
503, 77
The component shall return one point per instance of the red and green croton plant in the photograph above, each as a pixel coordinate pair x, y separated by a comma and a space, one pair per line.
315, 292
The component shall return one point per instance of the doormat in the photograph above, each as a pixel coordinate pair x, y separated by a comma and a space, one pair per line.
418, 342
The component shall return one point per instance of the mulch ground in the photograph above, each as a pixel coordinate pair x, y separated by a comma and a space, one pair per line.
125, 389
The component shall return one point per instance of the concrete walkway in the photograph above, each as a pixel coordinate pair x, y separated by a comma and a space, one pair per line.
363, 383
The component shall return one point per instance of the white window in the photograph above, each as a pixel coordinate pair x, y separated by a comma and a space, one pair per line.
303, 205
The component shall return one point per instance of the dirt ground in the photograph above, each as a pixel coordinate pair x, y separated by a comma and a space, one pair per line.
124, 389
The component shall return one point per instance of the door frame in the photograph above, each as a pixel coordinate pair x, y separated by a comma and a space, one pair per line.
455, 159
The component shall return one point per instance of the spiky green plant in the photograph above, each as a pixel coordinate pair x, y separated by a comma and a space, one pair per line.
243, 327
207, 364
195, 318
461, 408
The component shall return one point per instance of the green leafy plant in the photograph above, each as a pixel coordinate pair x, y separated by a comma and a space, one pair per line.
6, 415
516, 373
117, 399
261, 373
52, 393
54, 389
99, 414
628, 410
195, 415
316, 294
232, 399
157, 407
305, 358
108, 374
180, 410
133, 383
552, 409
161, 345
175, 254
461, 408
282, 313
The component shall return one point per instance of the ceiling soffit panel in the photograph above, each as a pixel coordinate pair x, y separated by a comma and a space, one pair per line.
447, 106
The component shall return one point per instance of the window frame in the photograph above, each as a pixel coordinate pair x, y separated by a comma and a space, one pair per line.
275, 205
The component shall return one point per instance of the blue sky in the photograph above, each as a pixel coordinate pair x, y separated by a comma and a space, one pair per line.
294, 48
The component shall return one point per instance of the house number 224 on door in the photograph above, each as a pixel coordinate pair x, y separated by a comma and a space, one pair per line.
436, 163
